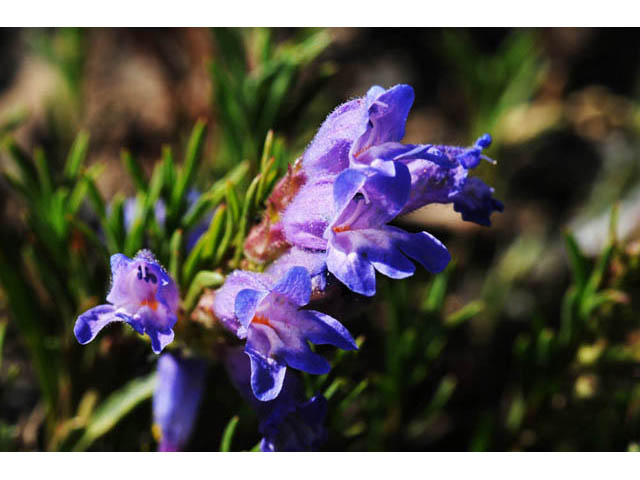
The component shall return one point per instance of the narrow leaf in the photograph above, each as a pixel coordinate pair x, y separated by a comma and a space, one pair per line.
203, 279
227, 436
115, 407
77, 155
133, 167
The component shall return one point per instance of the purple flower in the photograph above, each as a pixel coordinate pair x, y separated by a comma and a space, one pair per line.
359, 241
289, 423
142, 295
448, 181
268, 315
179, 386
313, 261
353, 127
352, 227
476, 203
365, 133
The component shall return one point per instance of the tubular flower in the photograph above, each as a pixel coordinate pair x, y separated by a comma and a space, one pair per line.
291, 422
277, 331
448, 181
353, 127
365, 133
176, 399
353, 229
360, 241
142, 295
361, 178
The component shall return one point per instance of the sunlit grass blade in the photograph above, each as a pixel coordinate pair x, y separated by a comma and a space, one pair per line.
576, 260
187, 174
77, 155
44, 177
244, 221
203, 279
115, 407
465, 313
28, 171
437, 290
227, 435
214, 233
175, 253
3, 332
225, 241
214, 195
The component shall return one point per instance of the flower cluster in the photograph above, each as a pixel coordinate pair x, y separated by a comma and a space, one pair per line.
329, 217
357, 178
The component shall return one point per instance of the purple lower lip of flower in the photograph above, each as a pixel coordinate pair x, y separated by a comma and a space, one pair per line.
291, 422
176, 399
269, 316
142, 295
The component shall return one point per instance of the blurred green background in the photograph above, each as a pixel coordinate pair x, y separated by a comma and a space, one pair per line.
530, 340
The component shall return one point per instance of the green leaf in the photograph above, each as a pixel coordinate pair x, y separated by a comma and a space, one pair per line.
28, 172
3, 332
333, 388
168, 166
265, 182
96, 199
133, 167
223, 245
465, 313
358, 389
576, 260
13, 119
214, 232
227, 436
204, 247
233, 202
437, 291
244, 221
77, 155
203, 279
595, 279
116, 220
188, 172
266, 151
442, 394
77, 196
42, 167
214, 195
155, 186
175, 254
114, 408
